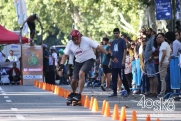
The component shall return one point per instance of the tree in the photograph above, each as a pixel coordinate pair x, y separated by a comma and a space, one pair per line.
94, 18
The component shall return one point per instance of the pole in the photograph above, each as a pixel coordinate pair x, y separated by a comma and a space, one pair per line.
42, 48
173, 15
21, 59
180, 10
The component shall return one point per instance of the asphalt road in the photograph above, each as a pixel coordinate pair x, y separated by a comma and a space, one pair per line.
34, 104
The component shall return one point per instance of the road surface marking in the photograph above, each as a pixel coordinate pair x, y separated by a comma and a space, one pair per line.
8, 101
20, 117
14, 109
6, 97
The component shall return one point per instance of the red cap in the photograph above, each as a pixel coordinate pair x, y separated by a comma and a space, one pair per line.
75, 33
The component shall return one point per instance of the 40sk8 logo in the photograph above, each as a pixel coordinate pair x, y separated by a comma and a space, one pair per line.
157, 105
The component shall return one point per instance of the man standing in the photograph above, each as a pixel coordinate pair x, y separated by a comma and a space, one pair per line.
118, 48
31, 24
45, 60
82, 48
149, 64
164, 55
105, 65
12, 57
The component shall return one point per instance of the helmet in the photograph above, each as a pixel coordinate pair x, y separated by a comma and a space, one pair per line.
75, 34
61, 51
35, 16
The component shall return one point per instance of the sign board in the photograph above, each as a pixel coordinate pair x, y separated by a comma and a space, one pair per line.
5, 68
163, 9
32, 64
177, 9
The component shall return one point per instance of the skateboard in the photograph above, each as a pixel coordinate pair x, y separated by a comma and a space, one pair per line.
74, 102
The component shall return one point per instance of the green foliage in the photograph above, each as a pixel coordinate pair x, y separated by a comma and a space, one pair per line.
94, 18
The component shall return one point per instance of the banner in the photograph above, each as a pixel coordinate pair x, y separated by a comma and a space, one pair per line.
20, 7
32, 64
5, 68
177, 9
163, 9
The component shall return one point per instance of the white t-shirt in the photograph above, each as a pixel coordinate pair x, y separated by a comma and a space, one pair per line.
12, 58
82, 52
164, 46
141, 49
71, 58
54, 55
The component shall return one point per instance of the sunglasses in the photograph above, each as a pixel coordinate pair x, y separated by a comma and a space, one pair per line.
176, 35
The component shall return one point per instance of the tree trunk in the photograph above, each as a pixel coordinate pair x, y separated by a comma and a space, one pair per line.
151, 12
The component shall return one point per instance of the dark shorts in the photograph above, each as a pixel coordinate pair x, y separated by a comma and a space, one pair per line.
106, 69
31, 26
85, 67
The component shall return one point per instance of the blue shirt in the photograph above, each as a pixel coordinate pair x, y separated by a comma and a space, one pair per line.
104, 59
148, 49
45, 60
117, 48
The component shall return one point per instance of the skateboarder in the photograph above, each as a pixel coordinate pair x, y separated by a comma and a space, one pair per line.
81, 47
31, 24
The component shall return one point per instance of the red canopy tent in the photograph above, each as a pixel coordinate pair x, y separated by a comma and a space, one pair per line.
8, 37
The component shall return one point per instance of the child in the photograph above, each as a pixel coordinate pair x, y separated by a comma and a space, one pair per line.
128, 69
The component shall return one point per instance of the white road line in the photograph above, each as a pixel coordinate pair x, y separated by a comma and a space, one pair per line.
8, 101
20, 117
1, 88
14, 109
6, 97
133, 100
2, 91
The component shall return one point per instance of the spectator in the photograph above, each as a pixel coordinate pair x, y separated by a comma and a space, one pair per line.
105, 63
118, 48
45, 60
164, 55
12, 57
128, 70
1, 56
14, 74
156, 61
149, 64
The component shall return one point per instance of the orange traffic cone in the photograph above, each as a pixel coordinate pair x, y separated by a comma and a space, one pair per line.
148, 118
158, 119
95, 106
86, 103
107, 110
82, 99
103, 106
123, 114
37, 83
134, 117
56, 90
34, 83
44, 86
20, 82
91, 103
53, 88
115, 115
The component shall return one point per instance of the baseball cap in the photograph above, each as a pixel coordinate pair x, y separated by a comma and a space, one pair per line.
44, 45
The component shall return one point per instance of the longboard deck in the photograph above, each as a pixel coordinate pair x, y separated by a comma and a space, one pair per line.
74, 103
